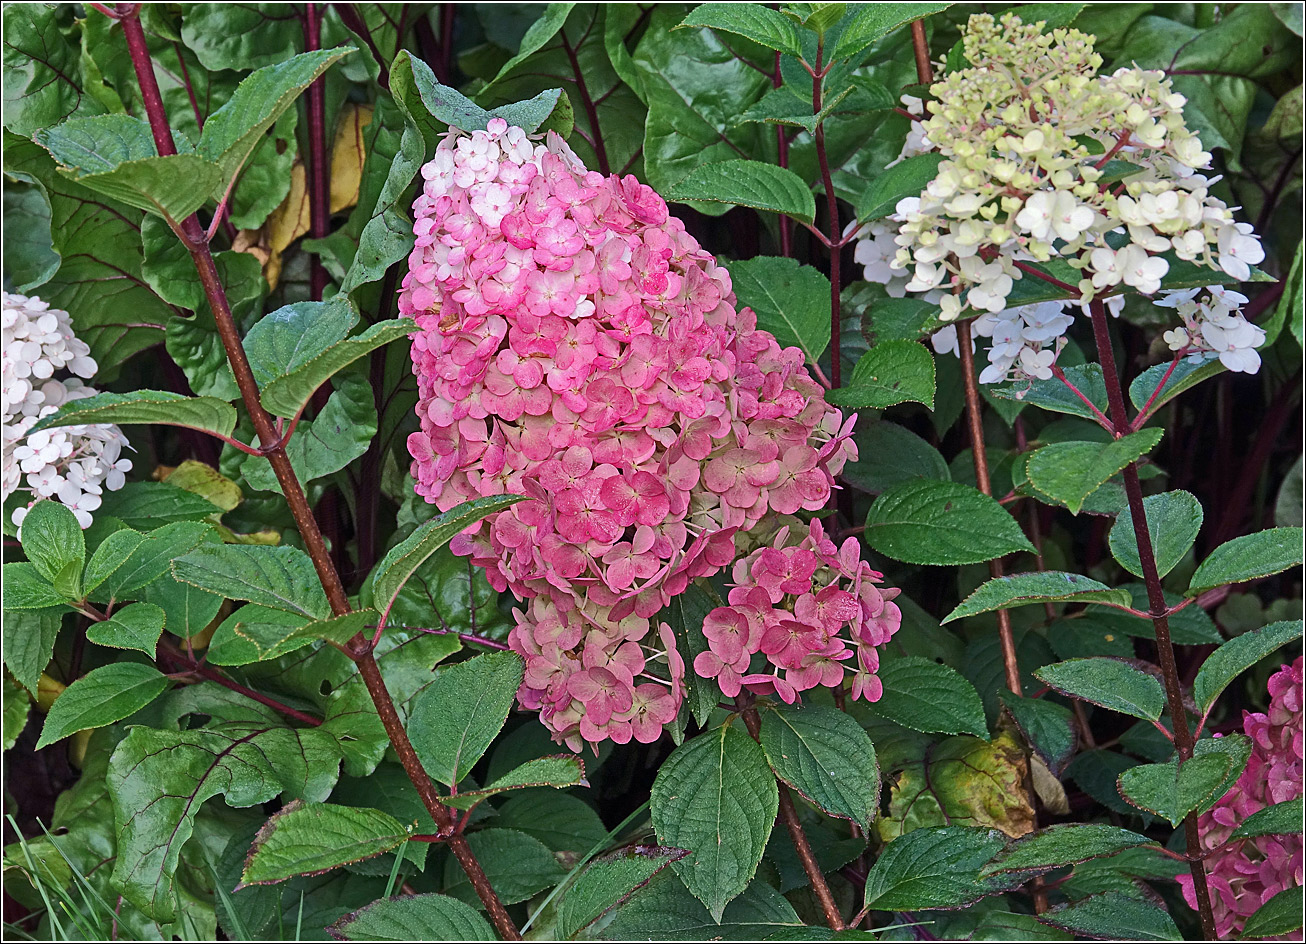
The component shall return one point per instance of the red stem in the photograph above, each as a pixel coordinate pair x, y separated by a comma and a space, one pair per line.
1183, 736
1146, 411
591, 112
832, 211
782, 152
309, 531
1064, 286
173, 654
1097, 414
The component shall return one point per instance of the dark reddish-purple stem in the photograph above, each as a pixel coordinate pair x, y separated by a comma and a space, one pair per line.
175, 655
1183, 735
319, 193
197, 245
782, 152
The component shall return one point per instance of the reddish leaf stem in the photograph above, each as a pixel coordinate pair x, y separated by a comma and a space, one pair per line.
1183, 736
1146, 411
1098, 415
173, 654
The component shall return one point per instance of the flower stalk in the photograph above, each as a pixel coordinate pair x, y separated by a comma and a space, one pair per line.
197, 245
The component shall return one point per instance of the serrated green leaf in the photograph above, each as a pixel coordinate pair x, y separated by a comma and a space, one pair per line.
906, 179
1280, 819
1279, 916
685, 614
282, 578
149, 559
157, 407
1047, 726
1107, 682
1174, 790
762, 25
53, 540
1071, 471
1114, 915
754, 184
286, 395
826, 756
257, 633
233, 131
875, 21
1237, 655
136, 626
25, 589
1064, 844
293, 335
1247, 558
666, 910
716, 797
16, 707
28, 641
558, 771
1045, 586
791, 301
311, 838
1056, 396
1186, 375
925, 696
936, 868
456, 717
516, 864
927, 522
101, 697
892, 372
1173, 520
113, 552
608, 882
425, 917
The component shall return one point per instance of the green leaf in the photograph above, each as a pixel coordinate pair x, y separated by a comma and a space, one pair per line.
906, 179
1247, 558
1046, 586
609, 882
1110, 683
114, 155
826, 756
1281, 819
426, 917
159, 780
1114, 915
25, 589
1173, 790
256, 633
148, 560
925, 696
456, 717
716, 797
113, 552
936, 868
535, 38
1237, 655
233, 131
873, 22
311, 838
282, 578
1064, 844
136, 626
558, 771
1071, 471
41, 70
666, 910
288, 338
762, 25
892, 372
791, 301
101, 697
1173, 520
206, 414
53, 540
1279, 916
925, 522
516, 864
29, 262
685, 614
754, 184
408, 555
29, 637
16, 705
286, 395
1047, 726
889, 454
1055, 396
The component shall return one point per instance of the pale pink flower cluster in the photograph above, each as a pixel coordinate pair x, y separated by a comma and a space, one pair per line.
792, 602
576, 345
1251, 872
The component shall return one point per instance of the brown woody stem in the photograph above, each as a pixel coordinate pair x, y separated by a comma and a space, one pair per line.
311, 534
1183, 736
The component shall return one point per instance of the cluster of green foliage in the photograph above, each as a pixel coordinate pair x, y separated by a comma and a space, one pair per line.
190, 749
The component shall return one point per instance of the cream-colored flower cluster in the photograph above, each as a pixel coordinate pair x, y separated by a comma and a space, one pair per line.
1029, 132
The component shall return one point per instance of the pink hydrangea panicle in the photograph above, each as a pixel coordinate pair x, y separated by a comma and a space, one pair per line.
1249, 873
577, 346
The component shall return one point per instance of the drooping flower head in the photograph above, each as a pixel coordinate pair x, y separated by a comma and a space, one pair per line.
1251, 872
577, 346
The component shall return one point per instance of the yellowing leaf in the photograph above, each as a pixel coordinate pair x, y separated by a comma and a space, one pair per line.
205, 481
347, 155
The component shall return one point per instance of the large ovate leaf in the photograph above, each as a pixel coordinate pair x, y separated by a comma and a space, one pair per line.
791, 301
1173, 790
457, 716
310, 838
907, 179
29, 637
286, 339
1058, 397
872, 22
747, 183
826, 756
258, 633
1115, 915
158, 407
149, 559
1110, 683
936, 868
1247, 558
666, 910
927, 522
608, 882
53, 542
102, 696
1045, 586
516, 864
426, 917
1064, 844
1237, 655
925, 696
892, 372
716, 797
281, 578
1173, 520
762, 25
286, 394
42, 83
1071, 471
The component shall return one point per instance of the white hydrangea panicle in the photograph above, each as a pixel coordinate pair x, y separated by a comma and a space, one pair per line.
69, 464
1214, 327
